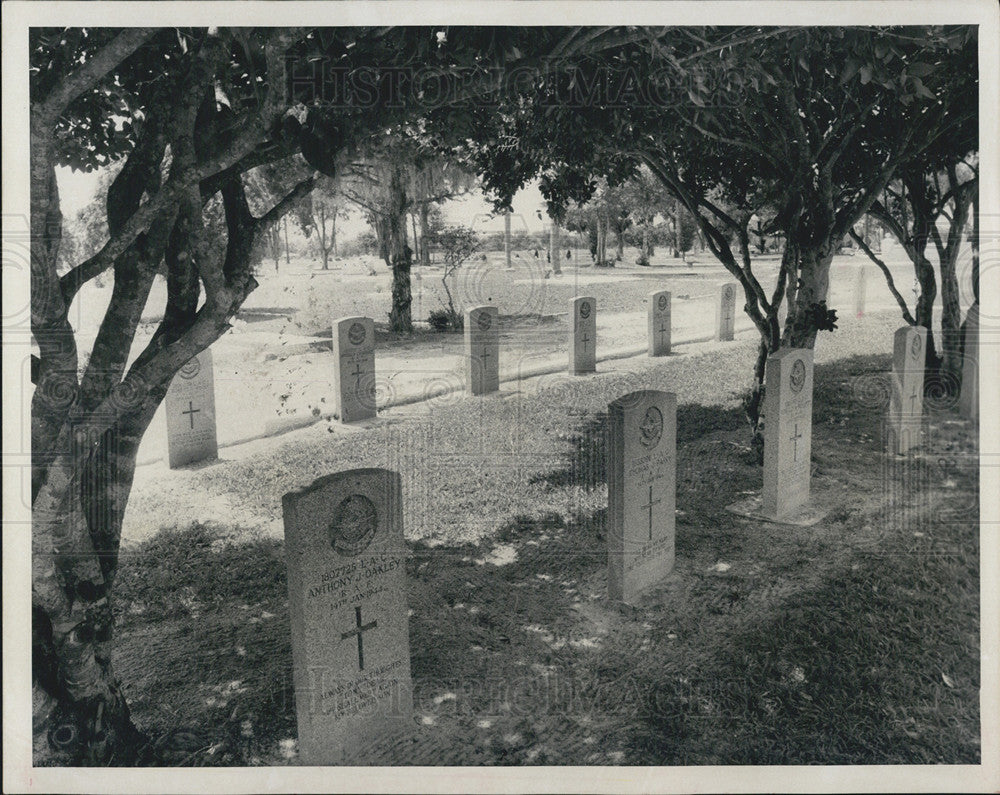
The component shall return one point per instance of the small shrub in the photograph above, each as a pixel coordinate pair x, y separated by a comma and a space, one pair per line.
642, 260
443, 320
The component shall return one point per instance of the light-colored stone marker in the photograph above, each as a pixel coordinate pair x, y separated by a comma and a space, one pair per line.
347, 604
642, 479
583, 335
726, 313
659, 323
482, 350
906, 406
354, 368
190, 409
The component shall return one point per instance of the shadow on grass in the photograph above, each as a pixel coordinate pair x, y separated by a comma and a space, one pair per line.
852, 642
875, 664
204, 642
586, 460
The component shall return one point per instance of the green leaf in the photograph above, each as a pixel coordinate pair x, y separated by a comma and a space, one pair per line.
866, 75
920, 69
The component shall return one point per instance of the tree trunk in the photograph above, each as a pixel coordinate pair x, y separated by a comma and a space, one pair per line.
771, 340
76, 694
506, 239
677, 229
319, 224
425, 250
620, 242
924, 270
400, 319
288, 258
951, 311
974, 244
555, 250
811, 289
753, 408
602, 240
593, 235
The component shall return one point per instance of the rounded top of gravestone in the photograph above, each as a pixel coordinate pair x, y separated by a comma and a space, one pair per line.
484, 321
353, 525
797, 378
357, 333
727, 291
916, 343
651, 428
190, 369
662, 302
585, 309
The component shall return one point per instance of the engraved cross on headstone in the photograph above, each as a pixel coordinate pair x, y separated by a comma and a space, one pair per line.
795, 441
361, 629
663, 330
913, 398
650, 505
585, 339
358, 372
191, 412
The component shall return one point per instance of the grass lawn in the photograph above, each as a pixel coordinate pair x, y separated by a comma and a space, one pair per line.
855, 641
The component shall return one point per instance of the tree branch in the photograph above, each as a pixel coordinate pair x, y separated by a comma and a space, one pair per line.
301, 189
888, 276
91, 71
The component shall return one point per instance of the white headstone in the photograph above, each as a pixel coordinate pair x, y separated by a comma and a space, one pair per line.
659, 323
642, 479
860, 290
482, 350
968, 399
190, 408
347, 603
906, 406
583, 335
726, 316
354, 368
787, 431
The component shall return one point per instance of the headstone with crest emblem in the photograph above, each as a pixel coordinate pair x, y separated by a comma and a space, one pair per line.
659, 323
726, 315
788, 380
642, 479
583, 335
190, 409
968, 399
347, 606
354, 369
482, 350
906, 406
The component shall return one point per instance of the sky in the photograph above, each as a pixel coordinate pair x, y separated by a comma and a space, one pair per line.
77, 190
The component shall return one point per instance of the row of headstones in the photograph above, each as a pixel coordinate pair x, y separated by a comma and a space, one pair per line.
190, 401
354, 348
